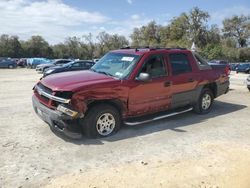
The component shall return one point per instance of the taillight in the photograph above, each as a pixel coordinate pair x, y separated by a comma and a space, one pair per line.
227, 70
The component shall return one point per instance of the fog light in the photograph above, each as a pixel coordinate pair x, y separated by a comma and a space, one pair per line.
67, 111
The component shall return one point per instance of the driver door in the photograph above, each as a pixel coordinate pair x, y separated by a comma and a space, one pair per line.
152, 95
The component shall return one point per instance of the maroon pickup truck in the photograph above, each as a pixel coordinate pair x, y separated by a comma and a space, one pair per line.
128, 86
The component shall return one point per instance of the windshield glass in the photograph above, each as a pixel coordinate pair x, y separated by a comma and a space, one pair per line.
68, 64
118, 65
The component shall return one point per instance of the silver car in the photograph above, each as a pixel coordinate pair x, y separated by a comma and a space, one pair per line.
41, 68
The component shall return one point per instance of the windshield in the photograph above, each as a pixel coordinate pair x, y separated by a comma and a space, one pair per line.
68, 64
118, 65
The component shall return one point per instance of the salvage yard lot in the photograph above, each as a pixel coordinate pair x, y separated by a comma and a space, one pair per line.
187, 150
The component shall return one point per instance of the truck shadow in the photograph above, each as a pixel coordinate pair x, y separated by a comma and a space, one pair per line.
175, 123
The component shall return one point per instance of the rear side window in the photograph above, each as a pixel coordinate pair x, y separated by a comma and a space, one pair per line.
179, 64
86, 64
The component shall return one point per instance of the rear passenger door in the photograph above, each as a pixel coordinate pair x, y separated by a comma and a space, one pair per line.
183, 80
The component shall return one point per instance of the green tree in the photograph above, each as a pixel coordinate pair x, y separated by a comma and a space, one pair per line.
88, 46
10, 46
37, 47
149, 35
238, 28
244, 54
176, 33
107, 42
197, 26
212, 51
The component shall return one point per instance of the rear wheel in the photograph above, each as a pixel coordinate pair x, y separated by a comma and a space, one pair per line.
204, 104
101, 121
11, 66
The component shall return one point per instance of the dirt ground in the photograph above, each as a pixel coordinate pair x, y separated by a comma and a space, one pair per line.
187, 150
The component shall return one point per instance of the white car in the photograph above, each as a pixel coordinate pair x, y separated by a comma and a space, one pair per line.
248, 82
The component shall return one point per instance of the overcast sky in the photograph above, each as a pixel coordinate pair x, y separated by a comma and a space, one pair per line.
57, 19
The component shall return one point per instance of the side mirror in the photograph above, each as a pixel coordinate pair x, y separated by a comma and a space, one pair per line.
143, 77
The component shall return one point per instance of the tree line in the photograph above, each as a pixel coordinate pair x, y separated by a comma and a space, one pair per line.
231, 42
73, 47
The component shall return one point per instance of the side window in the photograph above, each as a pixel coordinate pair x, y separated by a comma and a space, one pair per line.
84, 64
154, 66
179, 63
76, 65
87, 64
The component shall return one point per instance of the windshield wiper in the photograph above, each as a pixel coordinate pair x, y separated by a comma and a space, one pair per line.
93, 70
102, 72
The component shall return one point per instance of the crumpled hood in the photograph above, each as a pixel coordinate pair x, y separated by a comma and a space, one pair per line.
72, 81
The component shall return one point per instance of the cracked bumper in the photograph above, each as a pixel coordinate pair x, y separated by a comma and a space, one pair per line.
59, 122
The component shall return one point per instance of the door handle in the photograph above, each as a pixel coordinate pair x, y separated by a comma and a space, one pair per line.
167, 84
190, 80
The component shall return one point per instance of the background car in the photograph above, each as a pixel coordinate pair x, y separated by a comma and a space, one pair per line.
233, 66
33, 62
243, 67
7, 63
72, 66
22, 62
218, 61
56, 62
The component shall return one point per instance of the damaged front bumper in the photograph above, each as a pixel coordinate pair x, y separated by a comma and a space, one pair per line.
62, 120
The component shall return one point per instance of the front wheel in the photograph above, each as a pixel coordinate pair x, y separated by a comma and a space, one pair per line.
11, 66
204, 104
101, 121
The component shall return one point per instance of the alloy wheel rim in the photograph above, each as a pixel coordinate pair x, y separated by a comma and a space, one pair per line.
206, 101
105, 124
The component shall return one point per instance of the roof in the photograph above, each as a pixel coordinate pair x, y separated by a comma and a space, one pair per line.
143, 50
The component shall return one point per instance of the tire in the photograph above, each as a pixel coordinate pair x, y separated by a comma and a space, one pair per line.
101, 120
205, 102
11, 66
248, 89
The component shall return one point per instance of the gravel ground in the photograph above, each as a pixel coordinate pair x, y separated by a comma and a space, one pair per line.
187, 150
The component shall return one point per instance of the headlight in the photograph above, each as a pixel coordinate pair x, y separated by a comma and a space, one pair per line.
67, 111
49, 71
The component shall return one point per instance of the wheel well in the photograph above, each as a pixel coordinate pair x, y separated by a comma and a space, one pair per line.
113, 102
212, 87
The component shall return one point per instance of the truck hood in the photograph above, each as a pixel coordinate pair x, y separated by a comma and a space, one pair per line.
72, 81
